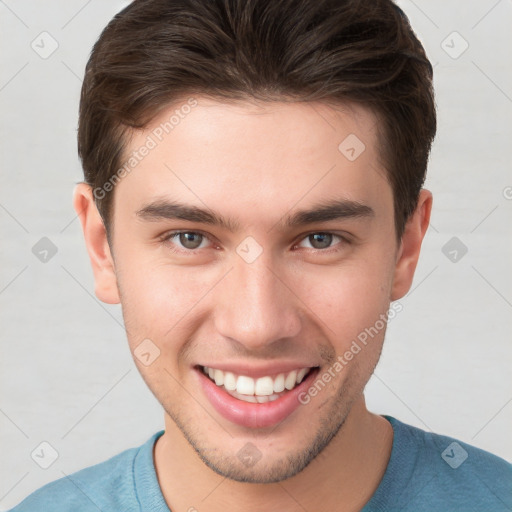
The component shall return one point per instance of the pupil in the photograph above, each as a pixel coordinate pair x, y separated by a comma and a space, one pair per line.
190, 240
320, 240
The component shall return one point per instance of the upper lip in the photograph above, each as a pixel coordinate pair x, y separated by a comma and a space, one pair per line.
255, 371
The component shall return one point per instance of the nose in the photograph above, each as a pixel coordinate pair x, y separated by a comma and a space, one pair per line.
255, 306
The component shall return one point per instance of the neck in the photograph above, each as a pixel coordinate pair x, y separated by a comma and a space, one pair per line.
343, 476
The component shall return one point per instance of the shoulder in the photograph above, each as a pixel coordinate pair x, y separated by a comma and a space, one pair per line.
455, 459
438, 472
109, 485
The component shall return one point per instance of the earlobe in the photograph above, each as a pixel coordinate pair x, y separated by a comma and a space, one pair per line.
97, 245
410, 246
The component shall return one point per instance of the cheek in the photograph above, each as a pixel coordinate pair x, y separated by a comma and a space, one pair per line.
156, 296
348, 298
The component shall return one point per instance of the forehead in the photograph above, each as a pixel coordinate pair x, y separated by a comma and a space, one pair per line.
245, 155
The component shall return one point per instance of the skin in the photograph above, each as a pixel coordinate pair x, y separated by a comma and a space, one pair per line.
254, 163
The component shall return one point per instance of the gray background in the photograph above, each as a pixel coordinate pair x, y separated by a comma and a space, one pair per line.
67, 377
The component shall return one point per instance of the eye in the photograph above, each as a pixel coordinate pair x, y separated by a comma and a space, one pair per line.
320, 240
189, 240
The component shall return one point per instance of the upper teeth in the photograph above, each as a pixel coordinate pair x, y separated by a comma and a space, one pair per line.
264, 386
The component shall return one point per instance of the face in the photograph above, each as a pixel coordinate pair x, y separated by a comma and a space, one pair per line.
250, 250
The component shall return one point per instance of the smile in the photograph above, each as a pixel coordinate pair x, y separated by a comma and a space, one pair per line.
255, 402
261, 390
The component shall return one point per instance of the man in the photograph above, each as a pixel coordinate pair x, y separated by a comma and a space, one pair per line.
253, 199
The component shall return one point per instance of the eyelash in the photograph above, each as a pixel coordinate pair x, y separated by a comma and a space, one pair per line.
167, 237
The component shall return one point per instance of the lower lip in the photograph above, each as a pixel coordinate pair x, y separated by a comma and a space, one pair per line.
249, 414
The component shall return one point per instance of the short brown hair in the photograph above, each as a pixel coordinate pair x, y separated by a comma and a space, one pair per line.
155, 52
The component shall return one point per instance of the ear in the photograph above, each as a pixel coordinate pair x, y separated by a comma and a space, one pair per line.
96, 242
410, 245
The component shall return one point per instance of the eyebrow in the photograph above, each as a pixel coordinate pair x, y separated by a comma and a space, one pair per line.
170, 210
333, 210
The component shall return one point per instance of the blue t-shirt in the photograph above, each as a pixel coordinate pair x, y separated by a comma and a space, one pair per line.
426, 472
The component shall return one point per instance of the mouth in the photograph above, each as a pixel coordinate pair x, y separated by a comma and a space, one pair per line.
255, 401
261, 390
